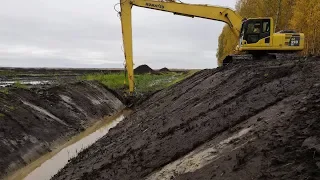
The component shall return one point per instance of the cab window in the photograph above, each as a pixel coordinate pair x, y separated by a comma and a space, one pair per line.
256, 29
266, 26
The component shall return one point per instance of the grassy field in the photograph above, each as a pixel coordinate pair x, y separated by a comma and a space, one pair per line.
143, 82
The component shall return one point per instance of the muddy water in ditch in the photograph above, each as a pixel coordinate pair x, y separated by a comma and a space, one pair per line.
8, 83
47, 166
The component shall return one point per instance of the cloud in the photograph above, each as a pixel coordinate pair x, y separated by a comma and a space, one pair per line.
82, 33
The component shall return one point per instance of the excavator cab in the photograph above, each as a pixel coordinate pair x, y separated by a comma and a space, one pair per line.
257, 36
254, 30
258, 39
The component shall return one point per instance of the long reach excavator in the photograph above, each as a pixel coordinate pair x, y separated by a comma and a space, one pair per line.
256, 36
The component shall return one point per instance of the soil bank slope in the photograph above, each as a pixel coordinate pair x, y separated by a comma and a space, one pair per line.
33, 121
250, 121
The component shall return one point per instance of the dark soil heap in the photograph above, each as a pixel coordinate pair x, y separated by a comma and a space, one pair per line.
143, 69
245, 121
164, 70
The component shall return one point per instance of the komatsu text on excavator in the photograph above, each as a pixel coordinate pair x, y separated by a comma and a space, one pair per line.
256, 36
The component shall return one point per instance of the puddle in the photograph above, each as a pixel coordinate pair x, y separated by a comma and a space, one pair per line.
48, 165
8, 83
53, 165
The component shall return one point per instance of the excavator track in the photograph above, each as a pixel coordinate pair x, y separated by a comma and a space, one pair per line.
242, 58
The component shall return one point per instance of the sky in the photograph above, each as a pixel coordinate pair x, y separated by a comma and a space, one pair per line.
87, 34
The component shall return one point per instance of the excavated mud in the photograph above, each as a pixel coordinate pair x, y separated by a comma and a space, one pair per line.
244, 121
34, 121
164, 70
143, 69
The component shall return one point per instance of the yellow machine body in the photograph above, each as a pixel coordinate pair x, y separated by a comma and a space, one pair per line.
279, 42
255, 35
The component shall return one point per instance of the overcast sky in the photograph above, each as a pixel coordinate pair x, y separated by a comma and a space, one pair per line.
87, 33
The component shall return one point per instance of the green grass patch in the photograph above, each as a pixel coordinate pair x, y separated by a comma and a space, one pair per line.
188, 74
2, 115
8, 73
4, 90
11, 108
143, 82
18, 84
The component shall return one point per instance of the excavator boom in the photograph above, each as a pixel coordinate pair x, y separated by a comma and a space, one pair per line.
190, 10
195, 10
126, 24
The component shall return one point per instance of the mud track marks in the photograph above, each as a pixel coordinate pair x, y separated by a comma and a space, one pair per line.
201, 112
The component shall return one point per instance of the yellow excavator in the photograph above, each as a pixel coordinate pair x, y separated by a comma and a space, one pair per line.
256, 36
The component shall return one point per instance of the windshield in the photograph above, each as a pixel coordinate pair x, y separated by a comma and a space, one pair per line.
254, 30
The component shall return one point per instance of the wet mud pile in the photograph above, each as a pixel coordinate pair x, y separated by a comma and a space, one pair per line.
164, 70
143, 69
34, 121
244, 121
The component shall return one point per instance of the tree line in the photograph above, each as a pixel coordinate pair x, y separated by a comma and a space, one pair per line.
299, 15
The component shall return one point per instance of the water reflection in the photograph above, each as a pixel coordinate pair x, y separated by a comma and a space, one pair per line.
53, 165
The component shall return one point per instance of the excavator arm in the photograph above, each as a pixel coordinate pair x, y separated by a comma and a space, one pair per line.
217, 13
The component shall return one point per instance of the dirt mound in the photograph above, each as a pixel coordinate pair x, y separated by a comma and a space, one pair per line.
164, 70
143, 69
249, 121
32, 121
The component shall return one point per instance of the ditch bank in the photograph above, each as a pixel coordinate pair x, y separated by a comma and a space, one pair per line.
33, 121
256, 120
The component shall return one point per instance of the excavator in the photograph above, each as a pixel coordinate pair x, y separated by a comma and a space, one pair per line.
256, 36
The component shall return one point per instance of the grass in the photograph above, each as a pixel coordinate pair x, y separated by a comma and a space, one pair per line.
8, 73
2, 115
11, 108
4, 90
188, 74
18, 84
143, 82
